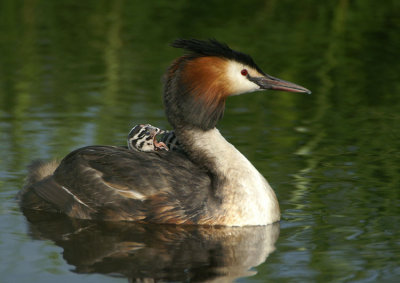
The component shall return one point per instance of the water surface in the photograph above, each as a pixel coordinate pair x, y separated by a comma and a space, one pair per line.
75, 73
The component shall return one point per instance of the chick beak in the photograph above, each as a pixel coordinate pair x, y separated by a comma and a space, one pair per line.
269, 82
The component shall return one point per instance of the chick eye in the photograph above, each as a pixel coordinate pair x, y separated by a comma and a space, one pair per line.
244, 72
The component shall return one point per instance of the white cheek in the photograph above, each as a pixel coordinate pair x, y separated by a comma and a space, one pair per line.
238, 83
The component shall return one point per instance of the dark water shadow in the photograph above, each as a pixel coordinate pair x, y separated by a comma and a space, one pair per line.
156, 252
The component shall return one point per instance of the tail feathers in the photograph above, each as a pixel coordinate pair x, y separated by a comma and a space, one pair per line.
42, 192
39, 169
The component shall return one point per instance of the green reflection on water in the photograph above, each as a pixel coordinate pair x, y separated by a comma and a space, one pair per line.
74, 73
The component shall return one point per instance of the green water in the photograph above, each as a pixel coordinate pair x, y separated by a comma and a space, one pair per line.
75, 73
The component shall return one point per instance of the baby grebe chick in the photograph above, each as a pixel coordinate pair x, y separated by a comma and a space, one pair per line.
143, 138
212, 183
171, 141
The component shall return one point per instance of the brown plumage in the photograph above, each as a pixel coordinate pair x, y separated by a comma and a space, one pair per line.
208, 183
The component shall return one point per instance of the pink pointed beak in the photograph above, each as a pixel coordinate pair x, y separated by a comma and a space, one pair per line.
269, 82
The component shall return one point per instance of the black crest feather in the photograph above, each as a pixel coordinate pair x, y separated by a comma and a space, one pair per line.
212, 47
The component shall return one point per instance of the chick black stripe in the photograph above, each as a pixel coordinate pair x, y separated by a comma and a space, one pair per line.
141, 144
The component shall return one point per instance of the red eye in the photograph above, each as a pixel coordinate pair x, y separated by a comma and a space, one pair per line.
244, 72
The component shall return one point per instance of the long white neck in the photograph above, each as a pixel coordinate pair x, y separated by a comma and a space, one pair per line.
246, 197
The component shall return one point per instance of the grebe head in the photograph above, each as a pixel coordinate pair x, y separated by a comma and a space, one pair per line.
198, 83
143, 138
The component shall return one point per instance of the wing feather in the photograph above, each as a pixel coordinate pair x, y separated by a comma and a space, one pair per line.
117, 183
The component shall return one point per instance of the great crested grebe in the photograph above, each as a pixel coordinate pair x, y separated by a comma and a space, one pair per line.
144, 138
212, 183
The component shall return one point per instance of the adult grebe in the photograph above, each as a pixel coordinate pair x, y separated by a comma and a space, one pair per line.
212, 183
